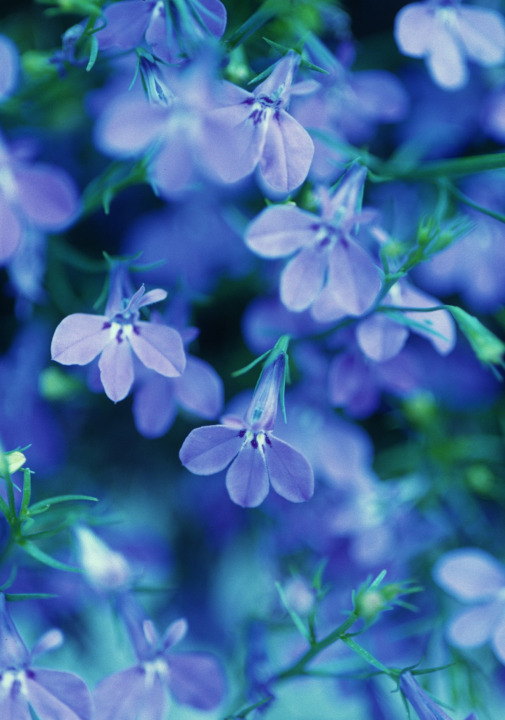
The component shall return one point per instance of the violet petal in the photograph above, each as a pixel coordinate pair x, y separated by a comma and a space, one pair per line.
290, 473
302, 279
287, 153
207, 450
196, 680
159, 347
58, 695
247, 478
116, 369
79, 338
279, 231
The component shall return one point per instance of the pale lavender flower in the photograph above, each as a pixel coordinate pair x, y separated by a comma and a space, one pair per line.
382, 335
146, 690
32, 195
51, 693
105, 569
172, 36
254, 129
446, 34
425, 707
116, 336
330, 272
257, 458
475, 577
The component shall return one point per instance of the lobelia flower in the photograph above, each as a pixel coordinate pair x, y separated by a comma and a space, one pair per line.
51, 693
382, 335
257, 458
80, 338
146, 690
254, 129
445, 34
171, 30
32, 196
475, 577
104, 569
425, 707
330, 272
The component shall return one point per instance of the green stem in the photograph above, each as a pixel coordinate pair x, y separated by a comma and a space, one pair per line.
467, 201
299, 667
455, 167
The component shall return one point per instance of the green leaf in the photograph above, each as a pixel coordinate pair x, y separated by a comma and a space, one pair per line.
298, 622
44, 505
37, 554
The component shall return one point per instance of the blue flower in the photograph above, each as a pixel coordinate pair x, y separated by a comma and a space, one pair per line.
51, 693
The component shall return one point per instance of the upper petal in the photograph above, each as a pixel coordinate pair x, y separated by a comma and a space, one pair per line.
247, 479
287, 153
289, 471
483, 34
470, 574
159, 347
208, 450
279, 231
79, 338
413, 28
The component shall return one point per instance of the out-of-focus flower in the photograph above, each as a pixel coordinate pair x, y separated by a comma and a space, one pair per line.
146, 690
32, 195
103, 568
51, 693
425, 707
252, 130
446, 34
330, 272
9, 64
258, 458
172, 31
80, 338
475, 577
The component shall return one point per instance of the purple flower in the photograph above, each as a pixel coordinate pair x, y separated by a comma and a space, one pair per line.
474, 577
146, 689
51, 693
330, 272
171, 36
382, 335
445, 34
80, 338
255, 129
425, 707
256, 457
32, 195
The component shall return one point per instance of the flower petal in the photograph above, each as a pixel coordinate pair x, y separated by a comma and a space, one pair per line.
445, 62
116, 369
200, 389
247, 479
279, 231
380, 338
469, 574
196, 680
58, 695
303, 278
207, 450
47, 195
483, 34
154, 407
11, 231
79, 338
413, 27
287, 153
473, 627
159, 347
121, 696
289, 471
